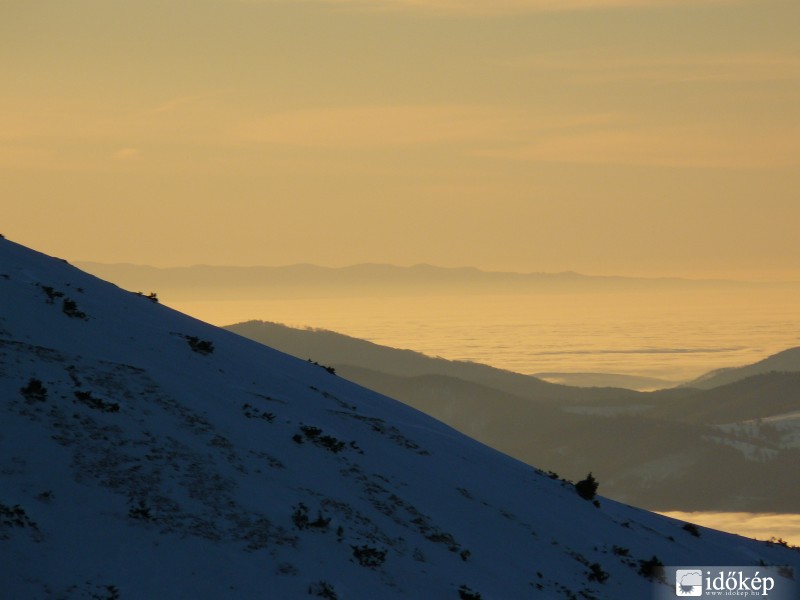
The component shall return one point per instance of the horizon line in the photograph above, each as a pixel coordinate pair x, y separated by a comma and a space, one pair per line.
471, 268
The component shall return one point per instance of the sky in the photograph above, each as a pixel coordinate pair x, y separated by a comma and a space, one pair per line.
631, 137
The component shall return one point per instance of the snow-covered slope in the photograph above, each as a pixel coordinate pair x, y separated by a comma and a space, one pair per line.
144, 454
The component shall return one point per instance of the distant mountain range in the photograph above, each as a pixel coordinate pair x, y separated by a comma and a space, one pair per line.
145, 454
218, 281
666, 450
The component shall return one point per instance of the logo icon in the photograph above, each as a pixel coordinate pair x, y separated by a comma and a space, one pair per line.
688, 583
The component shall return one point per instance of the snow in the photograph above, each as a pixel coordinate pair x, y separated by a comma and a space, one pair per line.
152, 470
758, 439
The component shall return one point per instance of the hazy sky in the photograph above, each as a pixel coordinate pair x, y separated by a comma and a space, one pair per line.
652, 137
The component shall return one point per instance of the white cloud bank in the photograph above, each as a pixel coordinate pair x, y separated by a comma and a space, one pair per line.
762, 526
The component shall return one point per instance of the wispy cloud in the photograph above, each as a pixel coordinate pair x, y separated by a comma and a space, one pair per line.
695, 146
17, 156
127, 154
175, 104
392, 126
604, 68
525, 135
487, 7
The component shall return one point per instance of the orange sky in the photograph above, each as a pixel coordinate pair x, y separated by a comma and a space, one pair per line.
606, 136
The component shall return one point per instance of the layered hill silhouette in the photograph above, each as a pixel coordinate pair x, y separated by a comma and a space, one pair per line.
787, 361
145, 454
666, 450
618, 380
